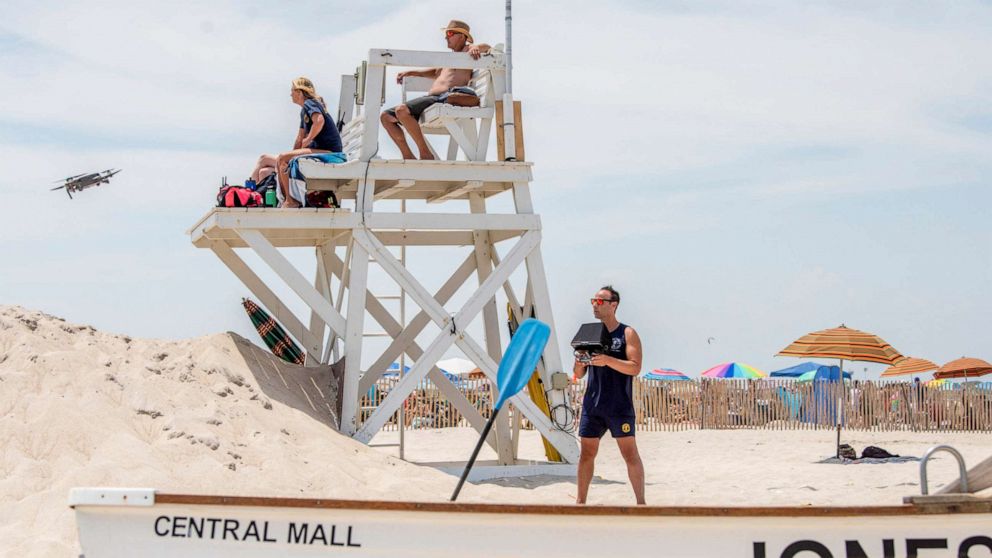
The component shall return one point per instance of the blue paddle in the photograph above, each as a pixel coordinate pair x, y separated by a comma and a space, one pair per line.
514, 372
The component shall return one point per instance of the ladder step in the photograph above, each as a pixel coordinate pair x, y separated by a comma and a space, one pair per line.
390, 297
376, 334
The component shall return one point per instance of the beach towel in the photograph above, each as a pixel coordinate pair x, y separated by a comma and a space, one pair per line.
297, 181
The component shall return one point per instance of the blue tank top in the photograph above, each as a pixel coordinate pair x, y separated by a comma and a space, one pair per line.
610, 393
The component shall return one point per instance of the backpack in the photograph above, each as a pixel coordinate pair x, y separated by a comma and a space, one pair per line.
238, 196
876, 453
847, 452
322, 199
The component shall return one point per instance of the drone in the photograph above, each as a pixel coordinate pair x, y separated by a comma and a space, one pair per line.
81, 182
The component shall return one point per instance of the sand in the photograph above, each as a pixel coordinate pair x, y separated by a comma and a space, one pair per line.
218, 415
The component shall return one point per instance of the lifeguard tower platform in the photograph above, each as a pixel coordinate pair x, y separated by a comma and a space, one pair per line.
347, 241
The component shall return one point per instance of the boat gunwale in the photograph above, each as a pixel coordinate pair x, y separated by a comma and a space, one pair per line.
977, 506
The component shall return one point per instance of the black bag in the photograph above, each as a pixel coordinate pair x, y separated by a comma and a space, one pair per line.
875, 452
847, 452
322, 199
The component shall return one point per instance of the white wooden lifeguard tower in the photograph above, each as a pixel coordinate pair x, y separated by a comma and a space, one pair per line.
346, 241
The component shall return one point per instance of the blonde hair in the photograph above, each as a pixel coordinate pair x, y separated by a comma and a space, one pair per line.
305, 86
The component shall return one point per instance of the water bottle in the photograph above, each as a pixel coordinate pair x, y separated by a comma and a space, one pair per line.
270, 198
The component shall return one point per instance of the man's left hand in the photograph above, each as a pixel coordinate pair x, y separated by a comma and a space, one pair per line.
475, 52
600, 360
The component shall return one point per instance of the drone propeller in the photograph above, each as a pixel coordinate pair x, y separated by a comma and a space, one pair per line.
57, 188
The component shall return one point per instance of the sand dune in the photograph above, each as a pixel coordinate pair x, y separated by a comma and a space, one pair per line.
85, 408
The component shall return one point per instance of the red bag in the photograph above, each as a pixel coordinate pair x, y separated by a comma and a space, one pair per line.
237, 196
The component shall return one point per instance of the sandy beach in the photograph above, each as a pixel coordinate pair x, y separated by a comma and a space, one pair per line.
218, 415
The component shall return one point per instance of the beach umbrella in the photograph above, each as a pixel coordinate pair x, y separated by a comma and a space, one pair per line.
457, 366
964, 368
843, 343
273, 334
515, 370
909, 365
733, 370
665, 374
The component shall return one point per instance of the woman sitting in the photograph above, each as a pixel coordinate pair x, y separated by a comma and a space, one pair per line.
317, 134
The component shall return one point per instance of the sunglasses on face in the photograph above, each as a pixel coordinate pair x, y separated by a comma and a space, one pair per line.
450, 34
600, 301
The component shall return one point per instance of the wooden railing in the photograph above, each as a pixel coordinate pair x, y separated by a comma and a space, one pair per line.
728, 404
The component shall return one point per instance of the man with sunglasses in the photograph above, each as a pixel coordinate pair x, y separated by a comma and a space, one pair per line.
609, 403
408, 114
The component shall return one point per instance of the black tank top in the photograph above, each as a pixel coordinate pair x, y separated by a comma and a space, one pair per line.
608, 392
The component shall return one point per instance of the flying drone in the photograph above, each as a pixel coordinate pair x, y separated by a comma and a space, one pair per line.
81, 182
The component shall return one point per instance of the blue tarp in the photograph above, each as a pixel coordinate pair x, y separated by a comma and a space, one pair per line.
802, 368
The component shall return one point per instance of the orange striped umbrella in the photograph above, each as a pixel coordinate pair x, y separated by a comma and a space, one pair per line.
909, 365
843, 343
964, 368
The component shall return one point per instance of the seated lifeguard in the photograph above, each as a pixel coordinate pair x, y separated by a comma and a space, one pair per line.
445, 80
317, 134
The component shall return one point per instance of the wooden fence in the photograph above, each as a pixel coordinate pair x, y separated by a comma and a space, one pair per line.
726, 404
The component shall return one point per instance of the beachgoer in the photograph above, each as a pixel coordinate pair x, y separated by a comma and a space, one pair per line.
445, 79
317, 134
608, 403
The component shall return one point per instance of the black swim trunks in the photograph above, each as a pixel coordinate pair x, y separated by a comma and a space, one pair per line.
418, 106
594, 426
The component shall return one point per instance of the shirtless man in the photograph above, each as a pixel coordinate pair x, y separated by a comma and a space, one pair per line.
407, 115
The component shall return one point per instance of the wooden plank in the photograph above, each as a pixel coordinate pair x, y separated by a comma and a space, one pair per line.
538, 509
518, 135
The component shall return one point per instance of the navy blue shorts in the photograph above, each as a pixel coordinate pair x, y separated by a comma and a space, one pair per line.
594, 426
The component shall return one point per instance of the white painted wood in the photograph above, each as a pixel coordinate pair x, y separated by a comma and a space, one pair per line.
399, 169
409, 334
490, 321
469, 186
394, 189
404, 387
358, 268
430, 59
452, 327
346, 99
375, 77
265, 296
317, 325
293, 278
448, 390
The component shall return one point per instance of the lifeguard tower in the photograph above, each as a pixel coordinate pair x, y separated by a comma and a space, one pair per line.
347, 241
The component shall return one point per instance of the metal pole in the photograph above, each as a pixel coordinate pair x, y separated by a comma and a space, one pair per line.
509, 49
402, 416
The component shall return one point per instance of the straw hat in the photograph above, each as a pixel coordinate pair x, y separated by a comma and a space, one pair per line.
459, 27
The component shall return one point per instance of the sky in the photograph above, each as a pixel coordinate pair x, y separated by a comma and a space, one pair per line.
743, 172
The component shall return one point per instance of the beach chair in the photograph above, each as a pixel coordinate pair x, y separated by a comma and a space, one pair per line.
468, 128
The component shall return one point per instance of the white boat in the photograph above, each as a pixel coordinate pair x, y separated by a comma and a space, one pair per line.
143, 522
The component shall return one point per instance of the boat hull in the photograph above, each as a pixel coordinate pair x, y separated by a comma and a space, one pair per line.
177, 525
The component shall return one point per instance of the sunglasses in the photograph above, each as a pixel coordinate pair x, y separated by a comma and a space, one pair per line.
600, 301
450, 34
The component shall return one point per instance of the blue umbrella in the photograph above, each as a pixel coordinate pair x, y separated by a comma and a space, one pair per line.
519, 361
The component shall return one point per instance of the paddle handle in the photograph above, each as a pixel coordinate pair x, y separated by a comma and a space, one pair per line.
475, 453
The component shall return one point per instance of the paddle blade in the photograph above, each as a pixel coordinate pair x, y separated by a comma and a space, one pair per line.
521, 358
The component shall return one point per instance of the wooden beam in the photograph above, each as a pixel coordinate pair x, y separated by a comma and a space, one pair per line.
469, 186
293, 278
265, 296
